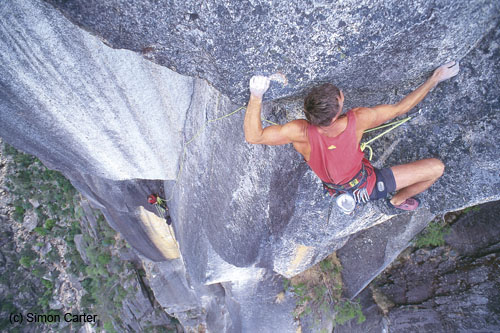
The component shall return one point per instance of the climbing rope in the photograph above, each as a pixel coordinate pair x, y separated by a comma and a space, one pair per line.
191, 140
394, 124
363, 145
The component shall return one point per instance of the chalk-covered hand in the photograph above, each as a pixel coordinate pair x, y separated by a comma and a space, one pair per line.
446, 71
259, 85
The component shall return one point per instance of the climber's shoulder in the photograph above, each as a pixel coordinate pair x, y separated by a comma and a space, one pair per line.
296, 130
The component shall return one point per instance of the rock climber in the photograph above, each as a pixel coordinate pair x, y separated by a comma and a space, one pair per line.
330, 141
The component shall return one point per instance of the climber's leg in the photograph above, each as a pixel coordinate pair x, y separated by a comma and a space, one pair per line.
415, 177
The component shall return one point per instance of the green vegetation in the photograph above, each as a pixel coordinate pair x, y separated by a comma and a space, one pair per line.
57, 207
18, 214
347, 310
26, 262
433, 235
318, 292
108, 327
49, 224
471, 209
41, 231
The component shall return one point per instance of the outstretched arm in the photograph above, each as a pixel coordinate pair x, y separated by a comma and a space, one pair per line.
254, 133
377, 115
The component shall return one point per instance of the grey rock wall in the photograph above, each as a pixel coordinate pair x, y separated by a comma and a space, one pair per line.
57, 78
364, 46
371, 250
116, 124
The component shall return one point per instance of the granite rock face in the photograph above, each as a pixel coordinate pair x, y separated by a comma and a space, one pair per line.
56, 78
363, 46
121, 127
368, 252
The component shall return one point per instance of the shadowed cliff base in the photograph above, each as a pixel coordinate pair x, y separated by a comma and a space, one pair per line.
449, 288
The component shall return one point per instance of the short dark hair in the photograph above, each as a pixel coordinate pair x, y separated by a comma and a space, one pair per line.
321, 104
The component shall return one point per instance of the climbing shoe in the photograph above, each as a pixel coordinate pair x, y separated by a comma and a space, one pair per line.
408, 204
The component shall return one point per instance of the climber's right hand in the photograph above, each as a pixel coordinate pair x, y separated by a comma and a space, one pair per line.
446, 71
259, 85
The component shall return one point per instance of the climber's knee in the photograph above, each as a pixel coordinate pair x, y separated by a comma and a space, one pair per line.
437, 167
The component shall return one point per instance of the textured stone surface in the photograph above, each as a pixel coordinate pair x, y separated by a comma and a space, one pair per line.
445, 289
83, 106
483, 220
368, 253
30, 221
115, 123
81, 246
138, 313
247, 304
121, 202
375, 321
364, 46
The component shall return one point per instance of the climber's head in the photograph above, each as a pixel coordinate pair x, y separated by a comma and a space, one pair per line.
323, 104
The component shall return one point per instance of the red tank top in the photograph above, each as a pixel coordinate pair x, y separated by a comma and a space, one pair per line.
338, 159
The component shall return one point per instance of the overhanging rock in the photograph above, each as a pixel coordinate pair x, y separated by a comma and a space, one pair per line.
364, 46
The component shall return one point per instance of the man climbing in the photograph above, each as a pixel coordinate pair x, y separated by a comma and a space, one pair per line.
330, 141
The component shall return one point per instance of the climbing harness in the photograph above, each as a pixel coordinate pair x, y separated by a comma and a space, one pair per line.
349, 194
355, 183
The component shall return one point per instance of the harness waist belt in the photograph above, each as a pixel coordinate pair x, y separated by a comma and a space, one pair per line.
353, 184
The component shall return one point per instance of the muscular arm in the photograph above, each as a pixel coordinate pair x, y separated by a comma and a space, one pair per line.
254, 133
377, 115
292, 132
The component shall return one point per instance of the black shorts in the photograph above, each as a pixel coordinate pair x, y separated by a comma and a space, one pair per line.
384, 184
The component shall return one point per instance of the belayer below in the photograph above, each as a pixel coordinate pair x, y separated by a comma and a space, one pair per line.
330, 143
